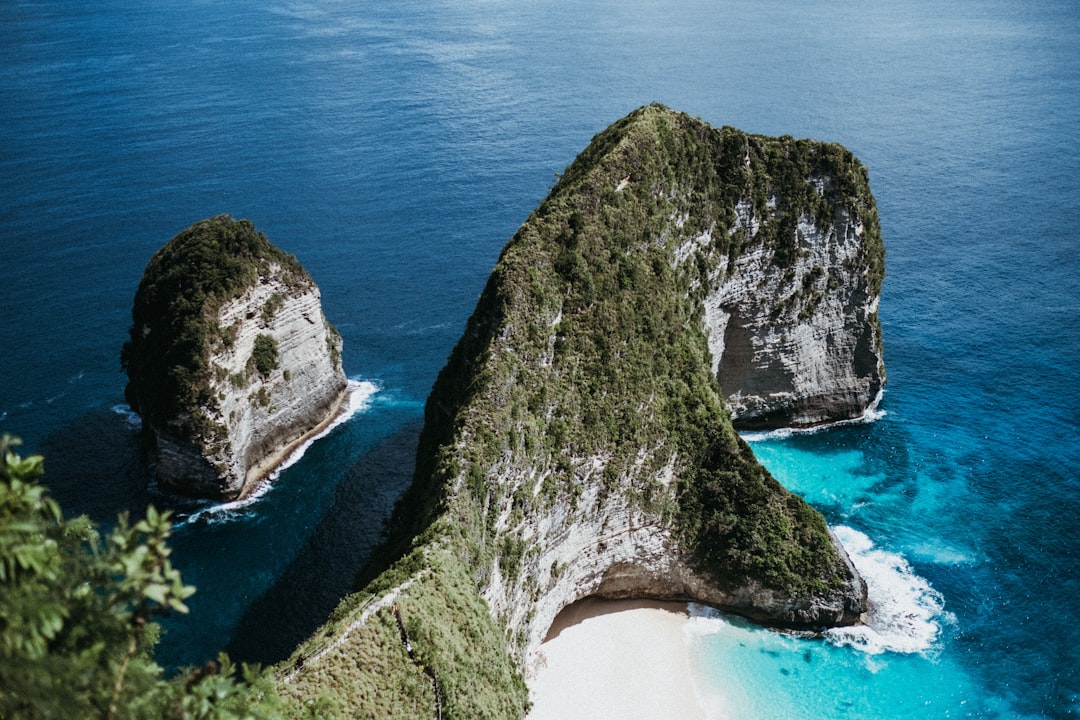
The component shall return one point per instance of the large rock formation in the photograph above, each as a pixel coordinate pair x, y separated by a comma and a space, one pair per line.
578, 442
231, 362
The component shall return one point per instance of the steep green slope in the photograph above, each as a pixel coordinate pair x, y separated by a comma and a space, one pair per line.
577, 441
626, 365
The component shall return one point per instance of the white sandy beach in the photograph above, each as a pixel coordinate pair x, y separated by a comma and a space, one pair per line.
618, 660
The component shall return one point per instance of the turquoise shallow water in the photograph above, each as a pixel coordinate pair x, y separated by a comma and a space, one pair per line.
749, 673
394, 148
903, 663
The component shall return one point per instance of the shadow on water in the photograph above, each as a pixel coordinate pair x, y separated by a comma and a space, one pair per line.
98, 466
324, 571
95, 466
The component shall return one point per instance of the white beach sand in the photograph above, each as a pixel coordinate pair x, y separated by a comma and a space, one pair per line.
621, 660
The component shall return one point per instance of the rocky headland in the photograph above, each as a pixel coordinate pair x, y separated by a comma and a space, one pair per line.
231, 363
579, 443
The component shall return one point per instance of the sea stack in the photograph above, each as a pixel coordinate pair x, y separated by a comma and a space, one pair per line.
231, 363
579, 443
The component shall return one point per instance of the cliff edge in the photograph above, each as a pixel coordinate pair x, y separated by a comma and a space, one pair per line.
231, 362
578, 442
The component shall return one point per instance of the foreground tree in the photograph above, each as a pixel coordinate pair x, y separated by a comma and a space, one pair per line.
76, 616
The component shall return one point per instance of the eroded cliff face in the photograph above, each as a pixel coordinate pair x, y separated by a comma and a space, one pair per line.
613, 548
797, 345
231, 362
264, 412
773, 245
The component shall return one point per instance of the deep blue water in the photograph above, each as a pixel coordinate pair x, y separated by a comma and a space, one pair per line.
394, 148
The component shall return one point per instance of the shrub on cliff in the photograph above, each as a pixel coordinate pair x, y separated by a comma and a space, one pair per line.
264, 356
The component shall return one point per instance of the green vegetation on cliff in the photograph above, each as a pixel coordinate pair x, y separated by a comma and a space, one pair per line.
76, 617
588, 342
264, 356
432, 651
672, 160
174, 318
585, 364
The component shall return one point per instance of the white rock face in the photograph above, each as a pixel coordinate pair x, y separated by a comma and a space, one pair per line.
794, 341
264, 415
577, 445
793, 345
797, 346
605, 547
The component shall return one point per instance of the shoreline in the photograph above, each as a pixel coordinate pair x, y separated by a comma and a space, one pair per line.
273, 461
616, 658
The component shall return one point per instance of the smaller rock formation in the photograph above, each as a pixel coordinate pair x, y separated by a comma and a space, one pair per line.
231, 363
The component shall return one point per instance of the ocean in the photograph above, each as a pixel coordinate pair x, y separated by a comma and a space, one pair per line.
395, 147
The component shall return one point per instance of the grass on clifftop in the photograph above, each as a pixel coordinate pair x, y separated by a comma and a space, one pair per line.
454, 666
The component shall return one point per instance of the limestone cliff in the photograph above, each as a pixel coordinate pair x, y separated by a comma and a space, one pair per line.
578, 442
231, 361
793, 326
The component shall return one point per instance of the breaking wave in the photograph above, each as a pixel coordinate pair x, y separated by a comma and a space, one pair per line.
872, 414
131, 418
905, 614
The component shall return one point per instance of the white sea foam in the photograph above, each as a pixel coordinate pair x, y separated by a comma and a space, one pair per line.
941, 553
778, 434
216, 513
872, 414
905, 612
130, 416
359, 394
359, 397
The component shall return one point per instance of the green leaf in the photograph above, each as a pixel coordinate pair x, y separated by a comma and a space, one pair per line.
157, 592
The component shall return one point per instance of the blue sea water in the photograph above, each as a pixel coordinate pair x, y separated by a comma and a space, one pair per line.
394, 148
